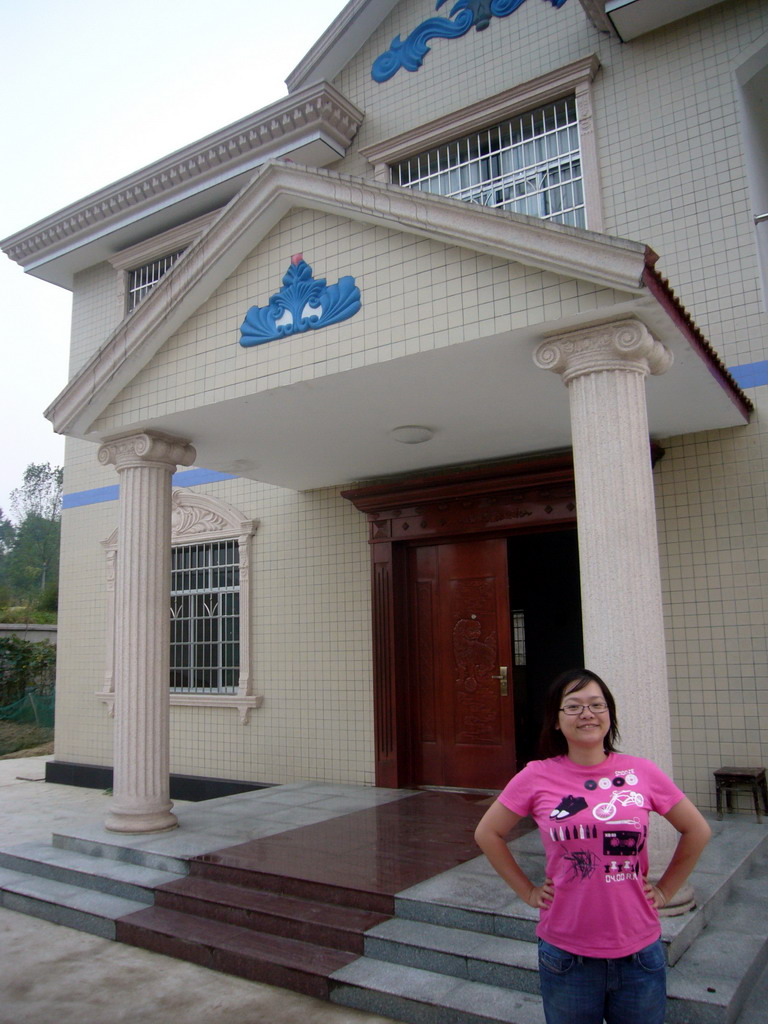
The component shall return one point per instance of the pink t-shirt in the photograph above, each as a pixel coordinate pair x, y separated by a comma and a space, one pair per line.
593, 822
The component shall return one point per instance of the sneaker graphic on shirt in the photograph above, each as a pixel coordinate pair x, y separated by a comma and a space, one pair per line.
567, 807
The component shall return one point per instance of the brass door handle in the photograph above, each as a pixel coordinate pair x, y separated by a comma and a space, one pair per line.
503, 684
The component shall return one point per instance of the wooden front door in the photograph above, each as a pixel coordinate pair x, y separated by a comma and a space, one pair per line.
461, 712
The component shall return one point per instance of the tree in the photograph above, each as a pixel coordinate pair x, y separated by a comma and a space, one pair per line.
7, 540
39, 494
34, 559
32, 562
7, 534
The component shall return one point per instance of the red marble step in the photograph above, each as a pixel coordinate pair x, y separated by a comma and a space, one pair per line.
287, 963
301, 888
324, 924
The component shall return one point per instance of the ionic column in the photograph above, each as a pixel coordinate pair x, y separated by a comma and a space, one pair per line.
604, 368
145, 463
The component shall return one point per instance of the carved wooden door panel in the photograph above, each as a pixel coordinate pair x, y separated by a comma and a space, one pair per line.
461, 711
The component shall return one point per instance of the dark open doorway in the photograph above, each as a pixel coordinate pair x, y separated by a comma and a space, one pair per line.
545, 607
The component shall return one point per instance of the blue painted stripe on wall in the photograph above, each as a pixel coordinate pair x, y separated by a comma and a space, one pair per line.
184, 478
77, 498
750, 375
193, 477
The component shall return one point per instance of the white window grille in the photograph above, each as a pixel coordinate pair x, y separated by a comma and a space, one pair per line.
205, 617
528, 164
141, 280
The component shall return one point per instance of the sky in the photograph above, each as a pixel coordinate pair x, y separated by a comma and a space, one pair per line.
92, 91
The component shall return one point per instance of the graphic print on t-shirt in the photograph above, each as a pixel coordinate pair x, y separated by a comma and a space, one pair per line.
583, 863
620, 847
607, 810
568, 805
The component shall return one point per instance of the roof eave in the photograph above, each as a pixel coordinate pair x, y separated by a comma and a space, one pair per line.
208, 172
340, 42
661, 290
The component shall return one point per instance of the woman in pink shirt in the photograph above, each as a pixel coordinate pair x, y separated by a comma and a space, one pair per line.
600, 954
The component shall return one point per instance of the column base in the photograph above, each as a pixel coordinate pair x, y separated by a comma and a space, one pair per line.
140, 822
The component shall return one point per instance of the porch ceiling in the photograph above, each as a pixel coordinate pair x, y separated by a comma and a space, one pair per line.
484, 400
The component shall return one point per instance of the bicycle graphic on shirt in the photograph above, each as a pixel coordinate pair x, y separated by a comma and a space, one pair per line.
606, 811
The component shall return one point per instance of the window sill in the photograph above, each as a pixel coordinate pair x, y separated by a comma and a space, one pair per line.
244, 704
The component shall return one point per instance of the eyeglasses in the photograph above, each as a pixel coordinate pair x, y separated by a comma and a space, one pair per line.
596, 707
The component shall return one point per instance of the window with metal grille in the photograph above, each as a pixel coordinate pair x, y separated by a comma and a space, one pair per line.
528, 164
518, 636
205, 617
142, 280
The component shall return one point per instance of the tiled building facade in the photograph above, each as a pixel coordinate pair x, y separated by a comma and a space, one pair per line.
455, 302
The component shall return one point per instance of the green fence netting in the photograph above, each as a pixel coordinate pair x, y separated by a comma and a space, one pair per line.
32, 709
27, 687
27, 722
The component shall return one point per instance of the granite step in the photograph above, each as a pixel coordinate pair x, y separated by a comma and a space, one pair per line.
111, 849
330, 925
288, 963
86, 910
117, 878
424, 997
417, 971
470, 897
469, 956
753, 1010
712, 981
288, 885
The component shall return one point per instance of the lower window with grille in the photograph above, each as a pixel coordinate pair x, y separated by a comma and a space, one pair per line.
205, 617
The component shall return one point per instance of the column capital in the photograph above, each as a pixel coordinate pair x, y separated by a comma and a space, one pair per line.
625, 345
147, 448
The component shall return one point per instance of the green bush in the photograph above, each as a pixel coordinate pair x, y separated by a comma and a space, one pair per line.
24, 665
49, 600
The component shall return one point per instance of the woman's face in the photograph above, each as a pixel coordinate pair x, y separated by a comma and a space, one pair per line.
589, 728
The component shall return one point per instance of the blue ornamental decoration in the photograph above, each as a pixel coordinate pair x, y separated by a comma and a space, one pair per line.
302, 304
410, 53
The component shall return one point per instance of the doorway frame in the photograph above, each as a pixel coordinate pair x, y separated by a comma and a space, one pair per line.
502, 498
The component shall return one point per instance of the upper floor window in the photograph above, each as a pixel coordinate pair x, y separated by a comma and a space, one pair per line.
539, 157
141, 280
141, 266
530, 163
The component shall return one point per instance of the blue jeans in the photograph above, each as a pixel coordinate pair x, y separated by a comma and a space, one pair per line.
585, 990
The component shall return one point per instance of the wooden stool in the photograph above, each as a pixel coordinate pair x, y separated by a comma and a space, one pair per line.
728, 779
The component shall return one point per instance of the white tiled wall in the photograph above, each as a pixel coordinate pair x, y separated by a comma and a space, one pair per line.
672, 168
713, 532
310, 642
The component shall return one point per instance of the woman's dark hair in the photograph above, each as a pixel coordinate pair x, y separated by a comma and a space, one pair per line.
552, 742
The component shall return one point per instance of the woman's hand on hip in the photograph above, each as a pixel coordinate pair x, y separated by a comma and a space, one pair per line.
540, 897
655, 896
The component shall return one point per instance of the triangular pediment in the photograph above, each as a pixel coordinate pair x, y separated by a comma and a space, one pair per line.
279, 188
455, 298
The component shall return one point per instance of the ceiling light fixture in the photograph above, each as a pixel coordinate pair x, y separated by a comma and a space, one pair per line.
411, 434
